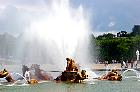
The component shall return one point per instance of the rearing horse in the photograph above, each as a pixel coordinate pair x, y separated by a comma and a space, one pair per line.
113, 75
5, 74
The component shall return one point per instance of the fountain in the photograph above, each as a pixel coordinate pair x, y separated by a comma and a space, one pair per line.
131, 73
20, 76
62, 31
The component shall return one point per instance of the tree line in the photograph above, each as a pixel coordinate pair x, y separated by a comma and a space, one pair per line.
120, 47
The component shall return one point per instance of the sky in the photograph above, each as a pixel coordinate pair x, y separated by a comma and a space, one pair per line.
105, 15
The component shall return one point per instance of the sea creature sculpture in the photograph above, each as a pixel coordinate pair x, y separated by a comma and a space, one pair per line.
113, 75
72, 73
5, 74
38, 74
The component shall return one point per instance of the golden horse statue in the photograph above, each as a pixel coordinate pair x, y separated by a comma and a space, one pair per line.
5, 74
113, 75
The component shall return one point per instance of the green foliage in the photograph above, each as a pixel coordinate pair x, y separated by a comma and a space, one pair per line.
117, 48
106, 36
135, 30
123, 34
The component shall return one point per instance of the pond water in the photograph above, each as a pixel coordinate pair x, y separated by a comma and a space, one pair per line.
128, 84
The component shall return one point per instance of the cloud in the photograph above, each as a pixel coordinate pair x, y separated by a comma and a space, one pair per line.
97, 33
124, 12
16, 15
111, 24
27, 10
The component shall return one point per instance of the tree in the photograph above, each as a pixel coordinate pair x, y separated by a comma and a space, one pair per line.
135, 30
106, 36
122, 34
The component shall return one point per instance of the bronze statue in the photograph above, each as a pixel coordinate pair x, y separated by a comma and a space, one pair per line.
72, 73
71, 66
39, 74
5, 74
113, 75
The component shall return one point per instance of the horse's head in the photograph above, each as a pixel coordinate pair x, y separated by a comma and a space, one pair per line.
3, 73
